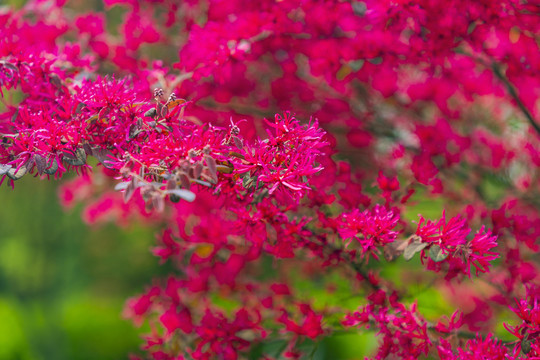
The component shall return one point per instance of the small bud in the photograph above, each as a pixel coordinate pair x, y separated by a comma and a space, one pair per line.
158, 93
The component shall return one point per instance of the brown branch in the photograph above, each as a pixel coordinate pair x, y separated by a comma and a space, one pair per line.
509, 86
513, 93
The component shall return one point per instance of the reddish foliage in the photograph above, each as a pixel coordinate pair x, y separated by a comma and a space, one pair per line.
407, 101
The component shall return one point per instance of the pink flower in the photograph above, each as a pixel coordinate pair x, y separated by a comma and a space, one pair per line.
450, 240
173, 319
372, 229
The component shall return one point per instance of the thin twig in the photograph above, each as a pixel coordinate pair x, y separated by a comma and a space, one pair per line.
509, 86
513, 93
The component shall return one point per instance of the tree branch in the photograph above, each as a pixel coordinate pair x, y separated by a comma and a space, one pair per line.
513, 93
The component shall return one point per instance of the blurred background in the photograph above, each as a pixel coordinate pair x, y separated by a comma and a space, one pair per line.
62, 284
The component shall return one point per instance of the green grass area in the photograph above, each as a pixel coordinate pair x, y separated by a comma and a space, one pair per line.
62, 284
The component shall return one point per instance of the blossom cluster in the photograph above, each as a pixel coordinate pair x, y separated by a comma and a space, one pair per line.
386, 110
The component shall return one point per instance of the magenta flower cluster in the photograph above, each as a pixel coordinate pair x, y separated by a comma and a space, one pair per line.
406, 139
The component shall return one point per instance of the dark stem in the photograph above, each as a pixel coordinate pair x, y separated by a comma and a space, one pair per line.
357, 266
513, 93
509, 86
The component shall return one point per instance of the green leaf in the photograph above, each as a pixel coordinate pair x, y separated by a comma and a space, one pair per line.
52, 169
104, 156
183, 193
246, 182
4, 169
412, 249
77, 159
151, 113
436, 254
121, 186
526, 345
205, 183
16, 174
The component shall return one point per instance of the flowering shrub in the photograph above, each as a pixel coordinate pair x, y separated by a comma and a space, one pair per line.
381, 105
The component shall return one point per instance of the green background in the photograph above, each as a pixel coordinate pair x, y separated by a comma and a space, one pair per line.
62, 284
